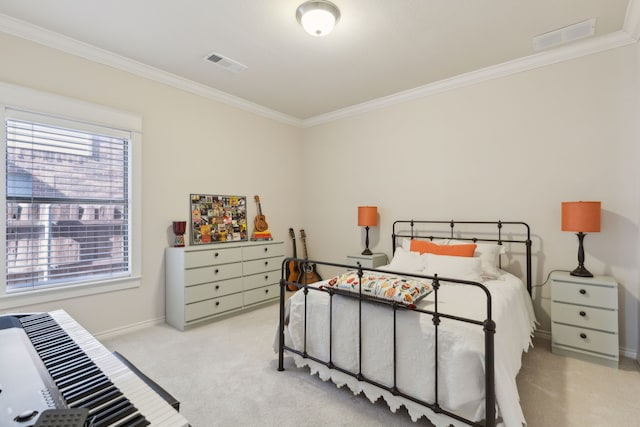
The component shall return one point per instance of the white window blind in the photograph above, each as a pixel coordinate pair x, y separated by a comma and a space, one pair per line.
68, 200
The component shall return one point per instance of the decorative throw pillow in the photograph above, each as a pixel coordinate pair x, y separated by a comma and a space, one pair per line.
427, 247
403, 290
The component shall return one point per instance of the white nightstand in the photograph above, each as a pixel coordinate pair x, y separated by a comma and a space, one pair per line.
584, 317
368, 261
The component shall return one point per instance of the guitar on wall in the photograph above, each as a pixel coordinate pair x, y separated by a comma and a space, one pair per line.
293, 269
260, 221
309, 273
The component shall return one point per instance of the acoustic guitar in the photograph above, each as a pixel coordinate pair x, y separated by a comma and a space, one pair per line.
293, 269
260, 221
309, 272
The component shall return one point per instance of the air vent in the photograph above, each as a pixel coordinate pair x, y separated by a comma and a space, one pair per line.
226, 63
564, 35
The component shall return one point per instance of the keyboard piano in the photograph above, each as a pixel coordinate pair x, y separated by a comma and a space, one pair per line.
49, 361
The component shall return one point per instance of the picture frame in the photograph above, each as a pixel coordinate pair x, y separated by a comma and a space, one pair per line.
217, 218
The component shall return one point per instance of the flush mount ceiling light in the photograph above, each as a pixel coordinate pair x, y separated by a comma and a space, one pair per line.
318, 17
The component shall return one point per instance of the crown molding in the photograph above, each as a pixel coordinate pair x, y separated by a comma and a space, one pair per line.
560, 54
66, 44
630, 34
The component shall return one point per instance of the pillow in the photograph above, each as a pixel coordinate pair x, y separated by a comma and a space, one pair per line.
406, 242
403, 260
424, 246
384, 286
454, 267
489, 255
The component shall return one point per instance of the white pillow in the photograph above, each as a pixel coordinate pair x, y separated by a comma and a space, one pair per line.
454, 267
406, 261
489, 259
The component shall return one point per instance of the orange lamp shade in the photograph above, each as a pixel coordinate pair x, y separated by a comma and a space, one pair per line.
581, 216
367, 216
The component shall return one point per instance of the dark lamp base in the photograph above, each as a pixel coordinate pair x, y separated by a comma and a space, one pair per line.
367, 252
580, 271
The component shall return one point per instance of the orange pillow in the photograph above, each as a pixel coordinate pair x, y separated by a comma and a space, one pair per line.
425, 247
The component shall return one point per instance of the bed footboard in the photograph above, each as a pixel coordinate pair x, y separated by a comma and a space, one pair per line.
487, 325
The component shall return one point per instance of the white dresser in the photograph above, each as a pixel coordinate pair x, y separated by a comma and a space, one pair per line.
584, 317
209, 281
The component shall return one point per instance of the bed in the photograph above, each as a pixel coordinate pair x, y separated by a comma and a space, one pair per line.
436, 331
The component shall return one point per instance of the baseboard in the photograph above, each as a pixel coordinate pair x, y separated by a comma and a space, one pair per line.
129, 328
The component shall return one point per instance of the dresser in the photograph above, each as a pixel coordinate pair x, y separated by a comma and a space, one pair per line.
584, 317
211, 281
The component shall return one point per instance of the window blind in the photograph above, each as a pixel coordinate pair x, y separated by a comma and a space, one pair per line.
67, 193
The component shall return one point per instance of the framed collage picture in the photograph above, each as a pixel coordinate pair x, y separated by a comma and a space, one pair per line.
217, 219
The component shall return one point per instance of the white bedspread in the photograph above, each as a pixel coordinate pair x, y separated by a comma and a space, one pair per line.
460, 347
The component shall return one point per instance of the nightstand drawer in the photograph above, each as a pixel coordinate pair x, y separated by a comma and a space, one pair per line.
587, 317
585, 339
367, 261
585, 294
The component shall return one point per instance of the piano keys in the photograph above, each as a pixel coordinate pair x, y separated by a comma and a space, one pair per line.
71, 369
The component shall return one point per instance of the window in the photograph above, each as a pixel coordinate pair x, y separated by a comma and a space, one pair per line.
68, 201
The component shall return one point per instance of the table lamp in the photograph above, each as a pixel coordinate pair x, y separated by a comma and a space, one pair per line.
581, 217
367, 217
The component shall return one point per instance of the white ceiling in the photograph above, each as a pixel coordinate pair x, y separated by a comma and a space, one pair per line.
380, 48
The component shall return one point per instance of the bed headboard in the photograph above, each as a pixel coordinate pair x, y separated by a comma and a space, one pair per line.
498, 232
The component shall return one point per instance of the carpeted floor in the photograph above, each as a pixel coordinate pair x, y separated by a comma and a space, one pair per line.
224, 374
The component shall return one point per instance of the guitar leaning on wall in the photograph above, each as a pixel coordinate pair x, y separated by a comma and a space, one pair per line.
293, 269
309, 273
260, 221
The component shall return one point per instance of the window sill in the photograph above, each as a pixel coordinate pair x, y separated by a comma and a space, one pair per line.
41, 296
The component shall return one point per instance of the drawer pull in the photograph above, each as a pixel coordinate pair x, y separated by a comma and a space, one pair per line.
582, 291
217, 303
582, 313
266, 249
583, 335
216, 272
266, 291
266, 263
266, 277
216, 255
217, 287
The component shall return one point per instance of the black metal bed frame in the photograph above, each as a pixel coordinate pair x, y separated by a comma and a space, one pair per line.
417, 230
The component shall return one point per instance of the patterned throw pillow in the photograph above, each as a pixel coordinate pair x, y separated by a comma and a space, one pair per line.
403, 290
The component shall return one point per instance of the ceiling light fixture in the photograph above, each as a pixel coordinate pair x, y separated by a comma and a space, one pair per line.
318, 17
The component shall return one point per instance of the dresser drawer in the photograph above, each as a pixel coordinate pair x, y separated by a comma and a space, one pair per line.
261, 279
261, 294
262, 251
212, 290
585, 294
586, 317
585, 339
195, 276
211, 307
213, 256
262, 265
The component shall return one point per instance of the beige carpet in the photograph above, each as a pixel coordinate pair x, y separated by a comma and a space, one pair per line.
224, 374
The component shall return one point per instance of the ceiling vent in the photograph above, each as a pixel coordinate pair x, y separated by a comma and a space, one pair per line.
564, 35
226, 63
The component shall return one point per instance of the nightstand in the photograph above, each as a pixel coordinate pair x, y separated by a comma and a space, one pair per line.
368, 261
584, 317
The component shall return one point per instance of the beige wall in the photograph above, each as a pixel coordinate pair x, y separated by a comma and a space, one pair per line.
190, 144
512, 148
